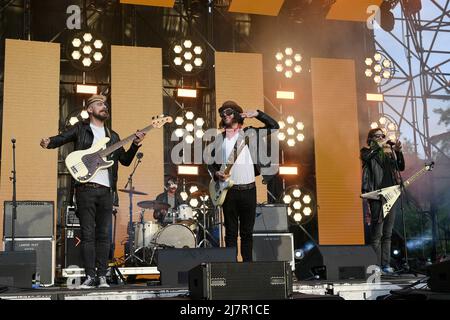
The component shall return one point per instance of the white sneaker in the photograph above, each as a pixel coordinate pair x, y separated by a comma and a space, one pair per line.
102, 282
88, 283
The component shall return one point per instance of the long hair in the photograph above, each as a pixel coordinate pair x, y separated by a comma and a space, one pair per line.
371, 134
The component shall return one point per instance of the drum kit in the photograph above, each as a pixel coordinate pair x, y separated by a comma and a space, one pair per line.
180, 229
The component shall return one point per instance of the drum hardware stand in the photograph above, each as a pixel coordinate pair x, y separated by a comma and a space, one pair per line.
131, 245
114, 269
14, 196
205, 241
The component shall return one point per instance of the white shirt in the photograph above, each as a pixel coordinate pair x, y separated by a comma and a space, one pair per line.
102, 176
242, 171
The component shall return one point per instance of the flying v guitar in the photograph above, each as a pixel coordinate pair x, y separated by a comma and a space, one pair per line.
390, 195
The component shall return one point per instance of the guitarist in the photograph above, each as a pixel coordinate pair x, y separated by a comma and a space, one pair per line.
239, 207
95, 198
382, 160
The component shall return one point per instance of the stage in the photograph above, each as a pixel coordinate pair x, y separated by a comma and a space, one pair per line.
150, 290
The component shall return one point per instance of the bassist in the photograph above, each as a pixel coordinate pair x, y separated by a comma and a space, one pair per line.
95, 198
239, 206
382, 160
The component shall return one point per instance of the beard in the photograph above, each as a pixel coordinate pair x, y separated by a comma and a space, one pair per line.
101, 115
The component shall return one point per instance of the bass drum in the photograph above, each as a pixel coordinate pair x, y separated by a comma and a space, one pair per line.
175, 236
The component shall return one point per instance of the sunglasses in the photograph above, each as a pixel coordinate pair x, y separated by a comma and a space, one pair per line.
379, 136
227, 112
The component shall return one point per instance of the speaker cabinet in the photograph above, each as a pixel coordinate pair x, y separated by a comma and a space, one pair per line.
34, 219
17, 268
45, 255
439, 273
73, 248
174, 264
271, 218
336, 263
274, 247
241, 281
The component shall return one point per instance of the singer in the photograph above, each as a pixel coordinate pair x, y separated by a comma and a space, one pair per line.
382, 161
95, 199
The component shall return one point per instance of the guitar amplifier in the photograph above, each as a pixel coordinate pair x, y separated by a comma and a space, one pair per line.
35, 219
271, 218
274, 247
241, 281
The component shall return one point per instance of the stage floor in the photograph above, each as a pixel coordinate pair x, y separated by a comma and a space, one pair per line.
347, 290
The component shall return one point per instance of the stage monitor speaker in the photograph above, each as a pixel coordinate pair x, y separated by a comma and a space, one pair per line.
45, 255
439, 274
271, 218
34, 219
336, 263
73, 247
241, 281
274, 247
17, 269
174, 264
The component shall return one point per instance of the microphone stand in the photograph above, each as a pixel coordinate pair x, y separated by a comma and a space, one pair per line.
402, 188
130, 223
14, 198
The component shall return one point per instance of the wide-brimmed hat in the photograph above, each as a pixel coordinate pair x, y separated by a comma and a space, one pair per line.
230, 105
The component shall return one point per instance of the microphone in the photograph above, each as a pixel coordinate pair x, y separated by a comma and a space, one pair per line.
139, 155
391, 143
13, 140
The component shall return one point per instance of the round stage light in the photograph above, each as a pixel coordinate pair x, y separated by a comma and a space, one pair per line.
189, 127
86, 51
187, 57
196, 195
291, 131
382, 70
288, 63
388, 125
301, 204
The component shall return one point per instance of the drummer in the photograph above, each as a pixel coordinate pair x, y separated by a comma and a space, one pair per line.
170, 196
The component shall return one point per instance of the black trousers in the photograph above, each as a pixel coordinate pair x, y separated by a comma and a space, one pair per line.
95, 213
239, 211
381, 231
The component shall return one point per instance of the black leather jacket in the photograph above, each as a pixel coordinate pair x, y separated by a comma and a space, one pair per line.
82, 136
373, 170
269, 125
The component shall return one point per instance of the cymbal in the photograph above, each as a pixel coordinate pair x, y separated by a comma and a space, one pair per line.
199, 193
133, 192
153, 204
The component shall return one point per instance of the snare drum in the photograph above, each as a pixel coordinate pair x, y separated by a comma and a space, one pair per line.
175, 236
151, 229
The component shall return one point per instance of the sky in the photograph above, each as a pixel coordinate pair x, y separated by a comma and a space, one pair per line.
399, 54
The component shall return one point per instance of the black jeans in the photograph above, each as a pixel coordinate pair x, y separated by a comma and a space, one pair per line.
239, 211
95, 212
381, 232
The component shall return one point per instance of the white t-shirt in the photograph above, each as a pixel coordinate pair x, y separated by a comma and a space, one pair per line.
102, 176
242, 171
